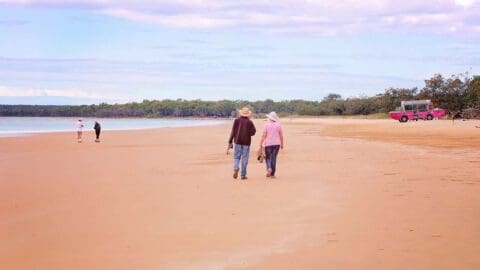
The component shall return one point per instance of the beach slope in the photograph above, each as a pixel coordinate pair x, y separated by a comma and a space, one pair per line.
345, 198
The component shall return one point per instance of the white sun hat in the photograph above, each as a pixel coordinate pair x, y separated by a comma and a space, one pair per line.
273, 116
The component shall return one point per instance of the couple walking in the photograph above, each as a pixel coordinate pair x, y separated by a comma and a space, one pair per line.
242, 131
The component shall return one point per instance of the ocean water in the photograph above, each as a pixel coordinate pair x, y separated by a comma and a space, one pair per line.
17, 126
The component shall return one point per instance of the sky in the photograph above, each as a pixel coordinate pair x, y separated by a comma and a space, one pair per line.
91, 51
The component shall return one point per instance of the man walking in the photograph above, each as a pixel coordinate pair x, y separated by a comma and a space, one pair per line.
242, 131
97, 129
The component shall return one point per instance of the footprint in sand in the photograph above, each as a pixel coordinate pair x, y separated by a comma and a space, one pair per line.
332, 239
411, 179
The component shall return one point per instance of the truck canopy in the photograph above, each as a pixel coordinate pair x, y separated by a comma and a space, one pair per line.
413, 105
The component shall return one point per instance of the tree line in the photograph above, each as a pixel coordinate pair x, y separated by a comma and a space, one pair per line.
457, 94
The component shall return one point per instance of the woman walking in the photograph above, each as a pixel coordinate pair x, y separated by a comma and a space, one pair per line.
272, 139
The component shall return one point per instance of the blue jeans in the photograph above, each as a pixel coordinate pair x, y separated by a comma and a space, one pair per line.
271, 153
241, 154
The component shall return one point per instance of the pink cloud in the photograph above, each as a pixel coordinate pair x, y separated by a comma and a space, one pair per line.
327, 17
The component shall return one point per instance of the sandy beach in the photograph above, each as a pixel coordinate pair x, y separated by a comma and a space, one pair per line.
349, 194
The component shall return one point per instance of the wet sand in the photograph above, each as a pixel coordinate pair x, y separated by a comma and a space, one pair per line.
350, 194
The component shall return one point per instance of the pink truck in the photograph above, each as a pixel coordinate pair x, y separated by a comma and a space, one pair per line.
416, 109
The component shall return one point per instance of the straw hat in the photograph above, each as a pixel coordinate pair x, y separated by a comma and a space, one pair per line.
273, 116
245, 112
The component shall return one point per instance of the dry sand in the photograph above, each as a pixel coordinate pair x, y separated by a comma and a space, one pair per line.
165, 199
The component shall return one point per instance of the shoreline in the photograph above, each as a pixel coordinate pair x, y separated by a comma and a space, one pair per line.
15, 133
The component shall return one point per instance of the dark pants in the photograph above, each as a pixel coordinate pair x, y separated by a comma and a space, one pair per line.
97, 132
271, 153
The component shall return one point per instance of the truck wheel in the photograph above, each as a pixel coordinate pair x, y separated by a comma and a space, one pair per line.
429, 117
404, 119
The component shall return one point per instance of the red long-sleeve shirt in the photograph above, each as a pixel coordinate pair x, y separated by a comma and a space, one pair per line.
242, 131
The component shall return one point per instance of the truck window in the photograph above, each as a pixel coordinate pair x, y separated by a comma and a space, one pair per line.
408, 107
422, 107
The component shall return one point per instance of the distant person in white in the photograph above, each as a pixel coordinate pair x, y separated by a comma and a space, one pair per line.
79, 130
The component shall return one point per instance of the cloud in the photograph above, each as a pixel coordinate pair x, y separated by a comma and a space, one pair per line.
7, 91
13, 22
103, 80
465, 3
132, 72
327, 17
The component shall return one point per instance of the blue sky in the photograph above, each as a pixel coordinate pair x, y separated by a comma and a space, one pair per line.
56, 52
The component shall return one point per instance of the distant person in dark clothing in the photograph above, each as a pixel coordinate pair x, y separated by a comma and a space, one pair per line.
97, 128
242, 131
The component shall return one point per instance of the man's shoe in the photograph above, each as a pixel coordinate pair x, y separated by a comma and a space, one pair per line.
235, 173
244, 178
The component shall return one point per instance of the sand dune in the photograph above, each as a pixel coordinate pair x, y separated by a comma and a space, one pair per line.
350, 194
